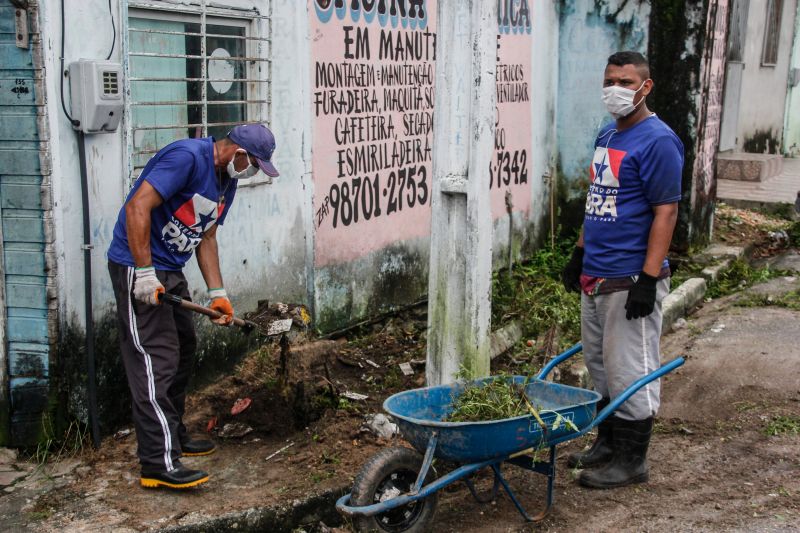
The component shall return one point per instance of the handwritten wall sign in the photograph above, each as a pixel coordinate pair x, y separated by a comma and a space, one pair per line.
372, 77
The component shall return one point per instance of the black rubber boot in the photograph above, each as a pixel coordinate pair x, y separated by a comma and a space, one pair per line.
629, 463
194, 448
601, 451
179, 477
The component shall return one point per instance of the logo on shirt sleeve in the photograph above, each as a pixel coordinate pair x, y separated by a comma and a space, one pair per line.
601, 201
186, 226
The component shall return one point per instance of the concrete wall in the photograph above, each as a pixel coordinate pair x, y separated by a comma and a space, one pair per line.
262, 244
270, 246
380, 263
267, 244
590, 31
763, 91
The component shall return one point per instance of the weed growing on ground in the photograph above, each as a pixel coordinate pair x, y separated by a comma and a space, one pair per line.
739, 276
794, 233
535, 296
783, 424
57, 448
789, 300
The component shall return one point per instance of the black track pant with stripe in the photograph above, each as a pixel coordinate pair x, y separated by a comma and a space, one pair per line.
158, 350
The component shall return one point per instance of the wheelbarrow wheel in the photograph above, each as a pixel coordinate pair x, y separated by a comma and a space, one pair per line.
388, 474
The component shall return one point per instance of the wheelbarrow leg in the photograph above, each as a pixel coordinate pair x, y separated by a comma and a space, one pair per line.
545, 468
483, 499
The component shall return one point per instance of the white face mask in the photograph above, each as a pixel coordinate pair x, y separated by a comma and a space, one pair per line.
619, 100
248, 172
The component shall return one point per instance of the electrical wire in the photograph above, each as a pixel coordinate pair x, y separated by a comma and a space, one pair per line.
113, 32
73, 121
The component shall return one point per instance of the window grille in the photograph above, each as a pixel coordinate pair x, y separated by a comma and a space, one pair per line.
193, 71
772, 32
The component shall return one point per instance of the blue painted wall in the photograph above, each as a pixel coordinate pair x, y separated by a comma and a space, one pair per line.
591, 30
24, 273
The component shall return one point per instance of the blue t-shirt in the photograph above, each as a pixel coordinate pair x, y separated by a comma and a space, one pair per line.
195, 198
632, 171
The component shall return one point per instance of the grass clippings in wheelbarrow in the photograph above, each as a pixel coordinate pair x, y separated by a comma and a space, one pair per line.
495, 399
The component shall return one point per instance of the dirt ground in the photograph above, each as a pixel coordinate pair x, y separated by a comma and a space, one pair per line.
713, 467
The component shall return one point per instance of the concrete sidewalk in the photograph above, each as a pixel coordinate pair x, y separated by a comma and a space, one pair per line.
781, 189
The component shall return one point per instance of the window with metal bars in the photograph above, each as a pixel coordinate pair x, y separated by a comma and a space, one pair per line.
193, 73
772, 33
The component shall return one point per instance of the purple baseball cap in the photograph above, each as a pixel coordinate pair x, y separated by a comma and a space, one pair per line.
259, 142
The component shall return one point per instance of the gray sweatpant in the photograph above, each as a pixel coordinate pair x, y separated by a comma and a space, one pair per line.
619, 351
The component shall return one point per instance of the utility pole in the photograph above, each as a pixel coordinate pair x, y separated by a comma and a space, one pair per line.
459, 289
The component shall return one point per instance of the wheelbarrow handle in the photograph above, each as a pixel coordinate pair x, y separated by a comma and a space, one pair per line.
559, 359
632, 389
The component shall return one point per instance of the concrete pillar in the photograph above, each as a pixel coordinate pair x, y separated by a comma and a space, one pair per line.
459, 290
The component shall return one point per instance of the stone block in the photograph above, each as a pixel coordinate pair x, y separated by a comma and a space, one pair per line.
672, 308
10, 477
719, 252
711, 273
504, 339
748, 167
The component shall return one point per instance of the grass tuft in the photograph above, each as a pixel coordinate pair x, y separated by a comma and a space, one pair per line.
738, 276
780, 425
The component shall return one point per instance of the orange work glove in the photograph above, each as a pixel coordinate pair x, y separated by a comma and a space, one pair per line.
221, 304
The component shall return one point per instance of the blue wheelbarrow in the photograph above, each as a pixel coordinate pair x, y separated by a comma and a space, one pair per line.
397, 489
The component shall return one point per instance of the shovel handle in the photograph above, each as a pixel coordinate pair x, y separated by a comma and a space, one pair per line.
177, 301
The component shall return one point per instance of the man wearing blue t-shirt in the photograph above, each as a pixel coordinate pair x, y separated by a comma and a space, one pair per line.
620, 267
173, 209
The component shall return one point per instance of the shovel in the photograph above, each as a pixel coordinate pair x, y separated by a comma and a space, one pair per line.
177, 301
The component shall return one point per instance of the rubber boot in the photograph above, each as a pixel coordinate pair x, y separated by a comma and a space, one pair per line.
179, 477
629, 462
600, 451
197, 447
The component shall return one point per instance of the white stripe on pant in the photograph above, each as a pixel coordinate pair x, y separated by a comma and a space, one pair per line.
619, 351
151, 386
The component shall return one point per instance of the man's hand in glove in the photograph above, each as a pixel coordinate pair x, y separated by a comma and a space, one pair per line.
571, 275
641, 297
221, 304
146, 286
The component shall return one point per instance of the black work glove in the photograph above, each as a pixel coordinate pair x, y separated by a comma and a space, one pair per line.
571, 275
641, 297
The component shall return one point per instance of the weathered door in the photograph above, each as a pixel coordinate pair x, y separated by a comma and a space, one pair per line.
25, 351
734, 73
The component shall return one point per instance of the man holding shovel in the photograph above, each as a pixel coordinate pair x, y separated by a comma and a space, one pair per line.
174, 208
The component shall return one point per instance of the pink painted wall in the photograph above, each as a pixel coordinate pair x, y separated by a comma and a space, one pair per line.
372, 127
372, 78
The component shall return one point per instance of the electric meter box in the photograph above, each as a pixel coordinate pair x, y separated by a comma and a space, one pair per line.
96, 93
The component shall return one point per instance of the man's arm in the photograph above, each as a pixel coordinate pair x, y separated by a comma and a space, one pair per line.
137, 217
666, 216
208, 259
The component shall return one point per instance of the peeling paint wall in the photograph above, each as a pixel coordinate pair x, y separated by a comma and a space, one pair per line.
591, 30
764, 87
264, 244
374, 265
